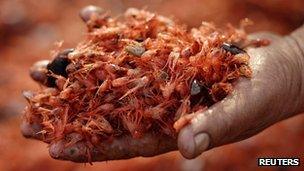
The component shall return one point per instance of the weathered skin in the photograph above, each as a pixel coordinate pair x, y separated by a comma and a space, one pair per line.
275, 92
121, 148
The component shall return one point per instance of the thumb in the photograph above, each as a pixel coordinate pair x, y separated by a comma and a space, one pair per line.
245, 112
227, 121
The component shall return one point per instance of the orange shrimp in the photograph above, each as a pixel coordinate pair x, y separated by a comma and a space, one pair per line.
103, 87
120, 81
168, 88
157, 112
141, 82
183, 109
183, 121
66, 93
102, 109
99, 122
132, 122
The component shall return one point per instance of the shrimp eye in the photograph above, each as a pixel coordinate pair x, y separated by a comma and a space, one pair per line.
232, 48
59, 64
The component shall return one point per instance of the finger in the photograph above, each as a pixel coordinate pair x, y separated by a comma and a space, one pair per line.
90, 11
227, 121
120, 148
264, 35
31, 130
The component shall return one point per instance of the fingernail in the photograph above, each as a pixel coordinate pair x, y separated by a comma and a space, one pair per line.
56, 149
202, 142
186, 143
30, 130
88, 11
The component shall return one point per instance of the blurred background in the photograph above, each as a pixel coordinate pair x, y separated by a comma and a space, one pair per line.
29, 29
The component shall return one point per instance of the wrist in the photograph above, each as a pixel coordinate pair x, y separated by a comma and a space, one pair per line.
297, 40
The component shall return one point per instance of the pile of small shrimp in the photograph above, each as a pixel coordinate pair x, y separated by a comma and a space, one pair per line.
135, 74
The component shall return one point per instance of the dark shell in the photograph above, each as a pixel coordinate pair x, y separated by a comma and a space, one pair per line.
233, 49
59, 64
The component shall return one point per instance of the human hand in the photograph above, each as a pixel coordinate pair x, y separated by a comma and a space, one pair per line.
120, 148
275, 92
248, 107
71, 147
